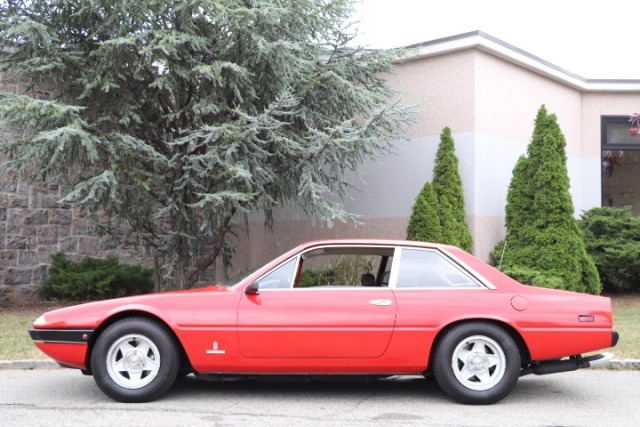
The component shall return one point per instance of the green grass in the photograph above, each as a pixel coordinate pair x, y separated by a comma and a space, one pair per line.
626, 320
15, 343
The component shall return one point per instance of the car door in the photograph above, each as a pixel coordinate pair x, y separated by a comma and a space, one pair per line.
281, 321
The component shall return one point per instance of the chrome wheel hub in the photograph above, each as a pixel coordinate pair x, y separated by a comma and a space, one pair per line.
134, 361
478, 362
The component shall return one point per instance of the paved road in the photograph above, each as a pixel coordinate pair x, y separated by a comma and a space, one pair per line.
61, 397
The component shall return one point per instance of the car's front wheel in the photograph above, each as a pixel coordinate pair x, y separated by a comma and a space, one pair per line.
476, 363
135, 360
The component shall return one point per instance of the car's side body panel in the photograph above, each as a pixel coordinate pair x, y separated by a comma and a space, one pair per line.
316, 323
424, 313
556, 324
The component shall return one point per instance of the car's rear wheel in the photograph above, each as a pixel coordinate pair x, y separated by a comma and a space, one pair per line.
135, 360
476, 363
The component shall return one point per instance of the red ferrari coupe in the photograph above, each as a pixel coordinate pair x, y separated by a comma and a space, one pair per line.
338, 307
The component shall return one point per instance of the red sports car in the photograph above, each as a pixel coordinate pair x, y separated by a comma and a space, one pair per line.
338, 307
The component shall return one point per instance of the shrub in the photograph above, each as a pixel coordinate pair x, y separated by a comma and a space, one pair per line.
542, 234
424, 223
612, 238
94, 279
447, 185
438, 213
533, 277
337, 271
317, 278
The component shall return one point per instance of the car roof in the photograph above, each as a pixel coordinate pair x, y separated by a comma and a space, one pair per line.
369, 241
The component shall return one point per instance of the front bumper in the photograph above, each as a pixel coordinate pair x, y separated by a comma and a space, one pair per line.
69, 336
68, 347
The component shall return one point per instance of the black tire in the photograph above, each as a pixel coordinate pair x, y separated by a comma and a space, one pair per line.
135, 360
476, 363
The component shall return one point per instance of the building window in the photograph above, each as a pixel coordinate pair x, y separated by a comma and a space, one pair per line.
620, 164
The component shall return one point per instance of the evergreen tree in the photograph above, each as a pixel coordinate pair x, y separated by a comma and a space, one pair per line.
424, 224
542, 234
447, 185
177, 118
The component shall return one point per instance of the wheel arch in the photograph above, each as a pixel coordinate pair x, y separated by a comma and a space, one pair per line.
525, 355
185, 363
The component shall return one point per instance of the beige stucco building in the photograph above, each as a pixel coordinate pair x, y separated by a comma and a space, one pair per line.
488, 92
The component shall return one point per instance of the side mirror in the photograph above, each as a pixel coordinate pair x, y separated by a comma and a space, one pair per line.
252, 289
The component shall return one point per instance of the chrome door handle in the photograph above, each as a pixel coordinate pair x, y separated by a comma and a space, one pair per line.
382, 302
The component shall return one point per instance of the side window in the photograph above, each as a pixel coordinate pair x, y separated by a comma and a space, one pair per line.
341, 270
280, 277
345, 267
430, 269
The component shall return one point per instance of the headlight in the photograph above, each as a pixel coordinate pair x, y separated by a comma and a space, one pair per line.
40, 321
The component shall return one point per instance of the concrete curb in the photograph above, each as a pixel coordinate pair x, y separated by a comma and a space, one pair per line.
627, 364
28, 365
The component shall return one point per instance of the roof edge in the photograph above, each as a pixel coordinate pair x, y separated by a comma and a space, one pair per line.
497, 47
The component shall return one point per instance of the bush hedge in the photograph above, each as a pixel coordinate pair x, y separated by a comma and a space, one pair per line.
612, 238
94, 279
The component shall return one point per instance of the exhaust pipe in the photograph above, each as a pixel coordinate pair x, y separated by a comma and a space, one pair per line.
574, 363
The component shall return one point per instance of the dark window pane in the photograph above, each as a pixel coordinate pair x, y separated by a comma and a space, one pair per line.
620, 164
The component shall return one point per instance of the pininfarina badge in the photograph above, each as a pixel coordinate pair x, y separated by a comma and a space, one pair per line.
215, 349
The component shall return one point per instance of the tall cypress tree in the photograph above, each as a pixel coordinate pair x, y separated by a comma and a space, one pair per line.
447, 185
542, 234
424, 224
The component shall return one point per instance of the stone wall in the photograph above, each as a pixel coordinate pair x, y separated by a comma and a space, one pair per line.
32, 228
34, 225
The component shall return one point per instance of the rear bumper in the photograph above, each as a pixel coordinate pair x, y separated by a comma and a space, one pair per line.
572, 363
